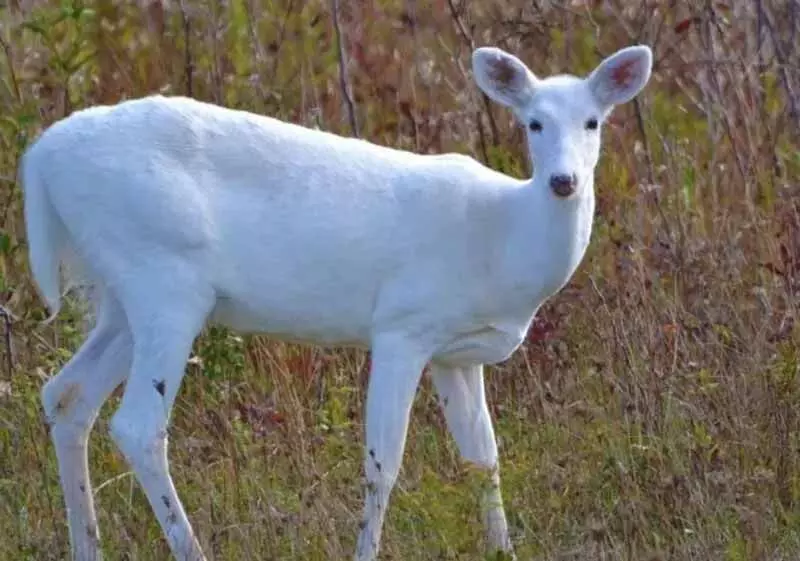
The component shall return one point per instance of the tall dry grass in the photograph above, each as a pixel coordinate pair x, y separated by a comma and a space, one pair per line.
651, 414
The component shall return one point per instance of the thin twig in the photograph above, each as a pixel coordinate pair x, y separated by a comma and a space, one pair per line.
7, 321
487, 106
259, 54
47, 344
343, 82
412, 14
651, 177
281, 36
709, 22
783, 63
648, 156
188, 64
11, 73
460, 25
110, 481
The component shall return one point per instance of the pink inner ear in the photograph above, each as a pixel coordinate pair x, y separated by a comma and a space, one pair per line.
623, 73
502, 72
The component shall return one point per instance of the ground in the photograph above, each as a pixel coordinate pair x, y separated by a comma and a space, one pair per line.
651, 414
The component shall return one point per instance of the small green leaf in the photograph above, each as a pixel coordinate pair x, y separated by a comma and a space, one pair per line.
34, 26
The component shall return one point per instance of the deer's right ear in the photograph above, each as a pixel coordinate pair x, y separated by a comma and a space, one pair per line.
502, 76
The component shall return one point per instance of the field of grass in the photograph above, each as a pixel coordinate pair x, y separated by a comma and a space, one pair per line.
652, 414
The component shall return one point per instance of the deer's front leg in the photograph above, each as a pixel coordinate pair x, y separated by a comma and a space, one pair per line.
394, 376
463, 400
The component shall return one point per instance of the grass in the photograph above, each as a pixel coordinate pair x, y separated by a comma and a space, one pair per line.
652, 413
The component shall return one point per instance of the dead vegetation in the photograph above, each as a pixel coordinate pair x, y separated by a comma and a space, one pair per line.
654, 410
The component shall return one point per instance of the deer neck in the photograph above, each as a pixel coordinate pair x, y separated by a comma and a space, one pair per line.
548, 238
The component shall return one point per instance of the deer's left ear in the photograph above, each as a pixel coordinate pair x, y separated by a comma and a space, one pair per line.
621, 76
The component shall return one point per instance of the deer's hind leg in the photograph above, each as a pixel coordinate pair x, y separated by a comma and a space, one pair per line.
72, 401
165, 317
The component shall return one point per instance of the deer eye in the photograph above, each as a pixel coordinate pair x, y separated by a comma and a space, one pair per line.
591, 124
535, 126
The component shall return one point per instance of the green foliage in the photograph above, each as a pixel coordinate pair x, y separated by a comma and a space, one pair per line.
502, 160
220, 353
65, 33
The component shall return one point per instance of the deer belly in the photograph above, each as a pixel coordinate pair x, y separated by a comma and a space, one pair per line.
320, 325
488, 345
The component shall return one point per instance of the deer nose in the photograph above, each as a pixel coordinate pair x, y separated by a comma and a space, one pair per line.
563, 185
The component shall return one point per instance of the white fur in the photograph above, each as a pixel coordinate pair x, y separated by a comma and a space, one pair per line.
183, 213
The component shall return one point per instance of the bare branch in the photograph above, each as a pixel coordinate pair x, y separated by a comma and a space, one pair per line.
11, 73
343, 82
188, 64
7, 318
470, 42
783, 63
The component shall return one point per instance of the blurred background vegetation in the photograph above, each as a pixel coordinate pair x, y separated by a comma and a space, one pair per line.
653, 412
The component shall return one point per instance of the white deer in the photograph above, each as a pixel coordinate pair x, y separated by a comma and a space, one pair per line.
183, 213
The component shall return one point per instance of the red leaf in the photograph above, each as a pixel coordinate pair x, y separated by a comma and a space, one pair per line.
683, 25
